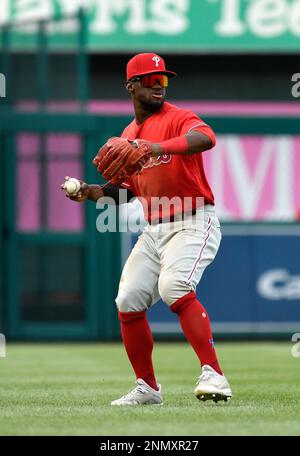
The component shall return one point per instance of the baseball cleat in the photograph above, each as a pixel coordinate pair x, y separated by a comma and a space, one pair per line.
212, 386
142, 394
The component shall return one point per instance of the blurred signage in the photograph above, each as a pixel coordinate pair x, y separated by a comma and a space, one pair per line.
255, 177
278, 284
163, 25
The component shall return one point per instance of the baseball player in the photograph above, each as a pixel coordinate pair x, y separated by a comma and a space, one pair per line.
158, 159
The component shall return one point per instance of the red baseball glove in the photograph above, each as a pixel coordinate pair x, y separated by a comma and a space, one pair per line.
118, 159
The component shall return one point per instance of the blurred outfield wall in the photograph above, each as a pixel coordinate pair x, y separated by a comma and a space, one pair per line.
57, 258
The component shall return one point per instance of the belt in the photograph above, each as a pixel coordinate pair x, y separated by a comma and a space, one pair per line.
179, 217
174, 218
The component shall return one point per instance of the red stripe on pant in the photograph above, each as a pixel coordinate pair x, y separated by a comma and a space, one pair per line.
138, 342
195, 324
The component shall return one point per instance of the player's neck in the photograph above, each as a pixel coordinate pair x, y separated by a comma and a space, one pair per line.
142, 113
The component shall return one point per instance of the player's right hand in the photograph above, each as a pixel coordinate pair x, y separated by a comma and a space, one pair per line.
81, 195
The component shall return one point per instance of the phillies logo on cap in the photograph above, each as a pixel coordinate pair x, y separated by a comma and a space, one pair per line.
146, 63
156, 59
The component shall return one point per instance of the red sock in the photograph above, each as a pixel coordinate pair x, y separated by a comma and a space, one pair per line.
138, 341
196, 327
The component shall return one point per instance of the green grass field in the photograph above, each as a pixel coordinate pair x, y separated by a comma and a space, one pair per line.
65, 389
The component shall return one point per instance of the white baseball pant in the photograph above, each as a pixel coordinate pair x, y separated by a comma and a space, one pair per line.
168, 260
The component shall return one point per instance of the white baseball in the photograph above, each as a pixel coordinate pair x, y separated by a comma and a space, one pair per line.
72, 186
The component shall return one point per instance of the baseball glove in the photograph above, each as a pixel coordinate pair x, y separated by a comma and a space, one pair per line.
118, 159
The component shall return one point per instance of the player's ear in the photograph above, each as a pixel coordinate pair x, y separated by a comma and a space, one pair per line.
129, 87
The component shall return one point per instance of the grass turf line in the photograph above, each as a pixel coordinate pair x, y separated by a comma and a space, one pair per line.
66, 389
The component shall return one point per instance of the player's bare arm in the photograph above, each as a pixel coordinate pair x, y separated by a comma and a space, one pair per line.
94, 192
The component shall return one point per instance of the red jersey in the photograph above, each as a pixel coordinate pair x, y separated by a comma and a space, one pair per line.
180, 177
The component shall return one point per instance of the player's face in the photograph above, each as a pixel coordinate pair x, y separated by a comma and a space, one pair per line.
150, 91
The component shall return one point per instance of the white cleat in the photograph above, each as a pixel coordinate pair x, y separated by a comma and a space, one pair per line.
140, 395
212, 386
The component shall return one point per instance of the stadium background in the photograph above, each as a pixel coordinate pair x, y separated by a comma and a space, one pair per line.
65, 71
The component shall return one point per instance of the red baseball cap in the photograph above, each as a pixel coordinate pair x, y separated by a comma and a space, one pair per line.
146, 63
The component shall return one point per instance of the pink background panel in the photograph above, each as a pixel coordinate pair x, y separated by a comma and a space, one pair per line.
63, 157
250, 150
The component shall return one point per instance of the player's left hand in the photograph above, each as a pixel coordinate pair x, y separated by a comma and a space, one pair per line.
118, 159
